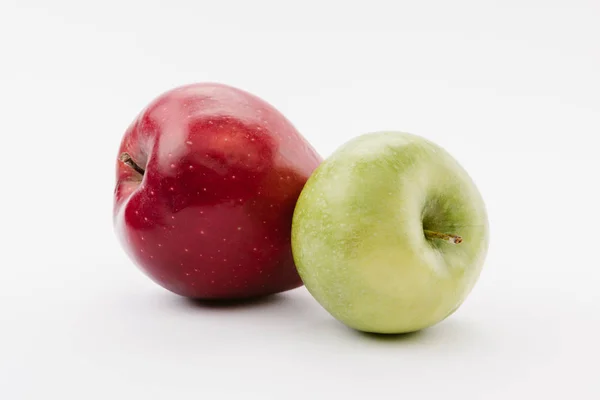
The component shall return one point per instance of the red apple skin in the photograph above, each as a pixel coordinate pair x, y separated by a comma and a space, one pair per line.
210, 216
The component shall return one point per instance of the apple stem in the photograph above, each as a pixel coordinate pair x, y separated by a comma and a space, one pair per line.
454, 239
126, 159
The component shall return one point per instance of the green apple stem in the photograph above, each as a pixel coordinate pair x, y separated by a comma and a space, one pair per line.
126, 159
454, 239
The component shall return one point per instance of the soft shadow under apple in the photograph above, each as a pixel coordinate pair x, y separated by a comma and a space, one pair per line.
397, 337
234, 304
451, 331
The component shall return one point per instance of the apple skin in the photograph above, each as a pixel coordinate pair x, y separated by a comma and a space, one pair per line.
358, 233
210, 216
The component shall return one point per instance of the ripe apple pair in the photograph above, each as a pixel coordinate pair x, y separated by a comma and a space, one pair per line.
219, 197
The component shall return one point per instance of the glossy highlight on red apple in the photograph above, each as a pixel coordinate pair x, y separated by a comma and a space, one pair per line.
207, 180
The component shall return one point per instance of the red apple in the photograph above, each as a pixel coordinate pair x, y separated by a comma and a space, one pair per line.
207, 180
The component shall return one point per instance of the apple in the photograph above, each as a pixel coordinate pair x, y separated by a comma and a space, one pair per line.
390, 233
207, 177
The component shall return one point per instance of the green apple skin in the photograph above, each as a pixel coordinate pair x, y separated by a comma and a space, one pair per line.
358, 233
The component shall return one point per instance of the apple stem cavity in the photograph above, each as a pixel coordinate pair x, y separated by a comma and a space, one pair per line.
125, 158
454, 239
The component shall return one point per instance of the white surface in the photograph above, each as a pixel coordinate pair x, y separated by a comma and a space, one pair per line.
509, 87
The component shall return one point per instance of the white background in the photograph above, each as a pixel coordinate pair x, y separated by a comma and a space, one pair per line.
510, 87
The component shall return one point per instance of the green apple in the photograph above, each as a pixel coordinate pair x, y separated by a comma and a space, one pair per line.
390, 233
